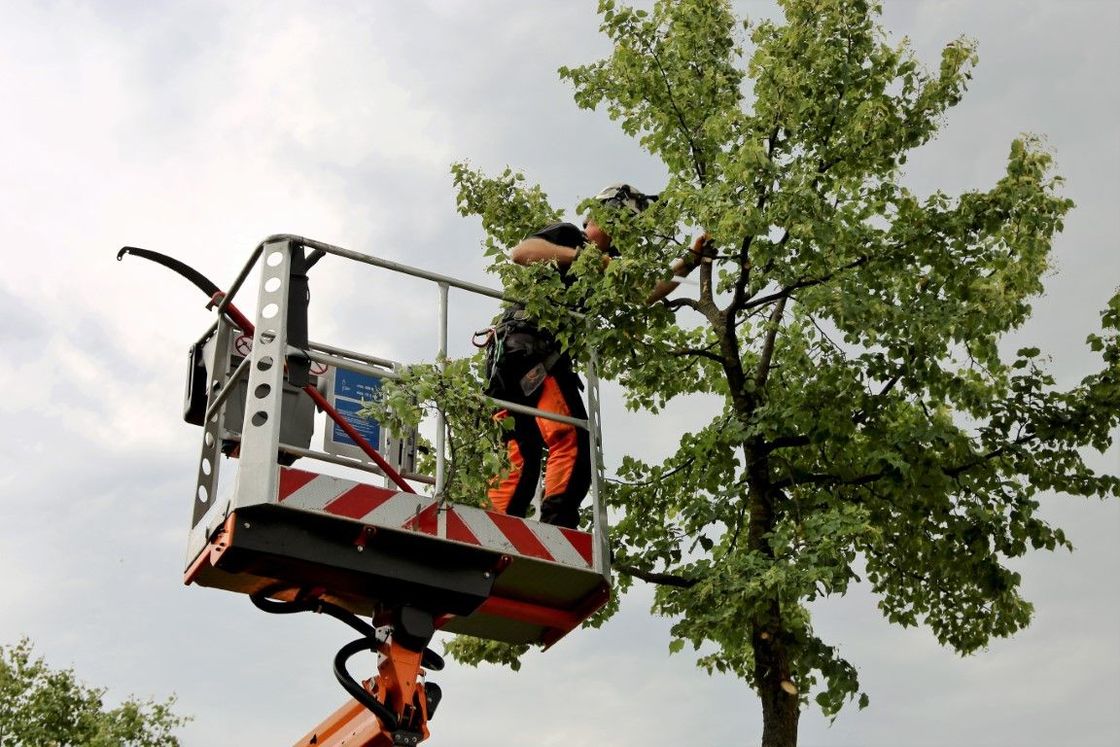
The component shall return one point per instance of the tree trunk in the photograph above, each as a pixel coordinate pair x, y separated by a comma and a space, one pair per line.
776, 690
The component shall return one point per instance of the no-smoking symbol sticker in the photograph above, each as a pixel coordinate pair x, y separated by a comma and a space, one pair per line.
243, 345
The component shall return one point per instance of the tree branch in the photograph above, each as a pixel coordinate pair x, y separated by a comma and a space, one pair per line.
698, 353
685, 129
817, 478
960, 469
743, 281
830, 341
681, 302
785, 442
861, 415
788, 290
858, 418
763, 370
686, 464
661, 579
738, 530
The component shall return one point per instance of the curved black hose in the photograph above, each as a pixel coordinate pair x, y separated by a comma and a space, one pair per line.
314, 257
431, 659
369, 642
357, 692
203, 283
261, 601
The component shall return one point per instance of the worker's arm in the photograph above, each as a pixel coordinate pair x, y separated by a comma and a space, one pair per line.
699, 253
535, 249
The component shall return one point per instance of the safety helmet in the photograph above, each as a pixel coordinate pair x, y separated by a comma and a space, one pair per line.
623, 195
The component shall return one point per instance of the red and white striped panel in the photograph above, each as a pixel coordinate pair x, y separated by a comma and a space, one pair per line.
420, 513
354, 500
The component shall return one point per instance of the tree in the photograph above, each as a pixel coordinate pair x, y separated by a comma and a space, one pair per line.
865, 419
43, 707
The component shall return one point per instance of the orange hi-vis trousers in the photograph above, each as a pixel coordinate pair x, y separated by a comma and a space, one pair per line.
568, 472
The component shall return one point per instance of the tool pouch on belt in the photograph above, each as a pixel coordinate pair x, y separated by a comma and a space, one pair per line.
519, 356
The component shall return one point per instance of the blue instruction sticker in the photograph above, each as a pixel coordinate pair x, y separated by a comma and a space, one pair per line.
368, 428
356, 386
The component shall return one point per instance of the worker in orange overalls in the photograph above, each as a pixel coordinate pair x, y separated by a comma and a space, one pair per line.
526, 366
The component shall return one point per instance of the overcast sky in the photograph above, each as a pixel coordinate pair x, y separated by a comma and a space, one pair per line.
199, 128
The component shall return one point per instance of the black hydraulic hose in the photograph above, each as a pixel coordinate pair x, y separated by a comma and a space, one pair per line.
430, 659
357, 692
203, 283
261, 601
369, 642
314, 257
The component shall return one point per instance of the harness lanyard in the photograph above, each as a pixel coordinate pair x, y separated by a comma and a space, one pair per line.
493, 342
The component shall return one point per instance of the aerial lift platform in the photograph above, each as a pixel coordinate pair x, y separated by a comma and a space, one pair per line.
298, 540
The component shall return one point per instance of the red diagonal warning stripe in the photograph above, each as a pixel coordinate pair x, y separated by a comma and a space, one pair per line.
457, 530
581, 541
358, 501
518, 532
292, 480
